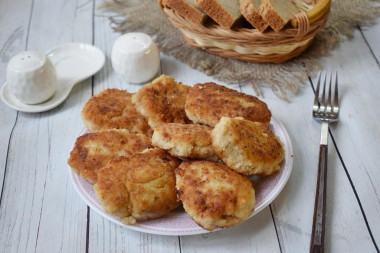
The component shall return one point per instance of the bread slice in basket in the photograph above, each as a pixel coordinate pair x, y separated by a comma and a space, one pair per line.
224, 12
277, 13
185, 8
250, 11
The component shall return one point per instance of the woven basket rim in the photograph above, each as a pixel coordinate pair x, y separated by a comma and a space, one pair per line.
232, 42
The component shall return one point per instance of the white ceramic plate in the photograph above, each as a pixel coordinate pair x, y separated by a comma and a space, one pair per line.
73, 62
178, 223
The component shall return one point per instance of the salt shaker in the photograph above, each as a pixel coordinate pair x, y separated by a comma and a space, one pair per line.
31, 77
136, 57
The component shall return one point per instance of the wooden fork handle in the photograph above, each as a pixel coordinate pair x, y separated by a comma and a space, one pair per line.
317, 241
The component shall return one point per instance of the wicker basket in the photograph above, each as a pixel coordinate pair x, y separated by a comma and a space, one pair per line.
250, 44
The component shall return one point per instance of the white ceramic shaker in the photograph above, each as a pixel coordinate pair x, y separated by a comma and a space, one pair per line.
136, 57
31, 77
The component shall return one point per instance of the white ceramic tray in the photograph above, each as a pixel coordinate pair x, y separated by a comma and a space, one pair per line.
73, 62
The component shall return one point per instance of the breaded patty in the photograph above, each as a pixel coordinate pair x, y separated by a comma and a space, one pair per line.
113, 108
207, 103
214, 195
151, 183
111, 189
139, 187
185, 140
247, 147
94, 150
162, 101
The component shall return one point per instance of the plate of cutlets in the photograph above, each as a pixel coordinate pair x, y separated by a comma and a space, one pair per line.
172, 159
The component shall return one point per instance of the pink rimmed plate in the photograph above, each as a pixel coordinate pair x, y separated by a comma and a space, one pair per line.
178, 223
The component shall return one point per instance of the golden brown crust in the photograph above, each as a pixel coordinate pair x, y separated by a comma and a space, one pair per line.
185, 9
151, 183
162, 101
214, 195
185, 140
113, 108
207, 103
247, 147
92, 151
138, 187
111, 189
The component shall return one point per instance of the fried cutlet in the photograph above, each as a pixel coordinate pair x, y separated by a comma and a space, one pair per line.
213, 195
151, 183
185, 140
138, 187
113, 108
247, 147
111, 189
94, 150
162, 101
207, 103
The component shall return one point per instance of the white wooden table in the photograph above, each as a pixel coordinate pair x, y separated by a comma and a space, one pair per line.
41, 212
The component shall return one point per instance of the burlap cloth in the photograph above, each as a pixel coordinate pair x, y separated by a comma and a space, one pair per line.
283, 79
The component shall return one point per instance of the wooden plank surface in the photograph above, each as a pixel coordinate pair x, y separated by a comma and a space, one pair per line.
40, 211
43, 212
346, 228
371, 34
293, 208
358, 80
62, 211
13, 39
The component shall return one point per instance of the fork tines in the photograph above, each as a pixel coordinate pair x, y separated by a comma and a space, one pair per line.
326, 109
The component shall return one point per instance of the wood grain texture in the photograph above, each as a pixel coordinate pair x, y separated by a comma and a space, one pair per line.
13, 39
44, 213
373, 39
254, 235
317, 239
293, 208
40, 211
345, 226
105, 236
358, 136
62, 211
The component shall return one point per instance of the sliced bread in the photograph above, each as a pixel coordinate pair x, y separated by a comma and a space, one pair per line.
185, 8
250, 10
277, 13
224, 12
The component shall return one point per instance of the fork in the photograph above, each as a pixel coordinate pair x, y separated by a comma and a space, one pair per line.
326, 111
